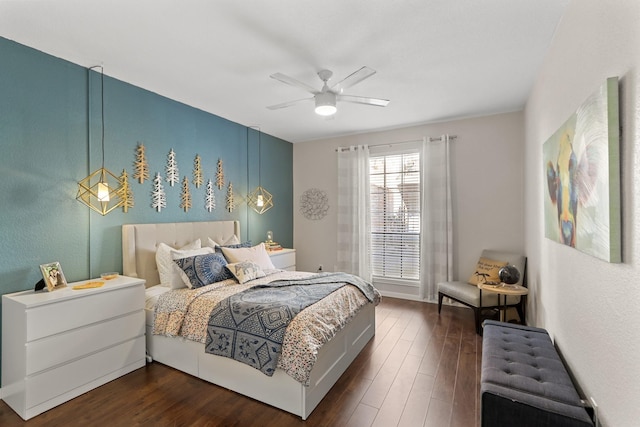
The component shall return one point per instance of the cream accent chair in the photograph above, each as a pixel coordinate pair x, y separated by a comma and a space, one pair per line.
472, 296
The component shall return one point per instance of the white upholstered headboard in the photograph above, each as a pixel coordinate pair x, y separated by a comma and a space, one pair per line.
139, 243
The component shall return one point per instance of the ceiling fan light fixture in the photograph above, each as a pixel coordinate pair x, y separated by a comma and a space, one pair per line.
326, 104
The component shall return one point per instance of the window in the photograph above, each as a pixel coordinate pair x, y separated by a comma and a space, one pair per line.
395, 215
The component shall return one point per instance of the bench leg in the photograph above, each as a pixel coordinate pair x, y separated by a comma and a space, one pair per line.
440, 296
476, 312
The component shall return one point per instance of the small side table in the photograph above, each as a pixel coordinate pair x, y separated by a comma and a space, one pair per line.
504, 290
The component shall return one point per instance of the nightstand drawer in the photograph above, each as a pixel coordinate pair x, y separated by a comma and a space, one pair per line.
60, 348
284, 259
72, 313
90, 369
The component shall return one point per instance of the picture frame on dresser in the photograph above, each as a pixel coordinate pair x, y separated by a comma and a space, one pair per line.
53, 276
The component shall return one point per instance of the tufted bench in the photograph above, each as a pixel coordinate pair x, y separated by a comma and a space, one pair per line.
524, 382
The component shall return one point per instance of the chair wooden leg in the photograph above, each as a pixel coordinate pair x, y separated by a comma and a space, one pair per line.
440, 296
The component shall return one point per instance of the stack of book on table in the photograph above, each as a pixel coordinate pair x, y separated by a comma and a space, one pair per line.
272, 246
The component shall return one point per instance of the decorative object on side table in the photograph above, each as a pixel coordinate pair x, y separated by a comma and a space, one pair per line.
88, 285
53, 276
270, 245
509, 274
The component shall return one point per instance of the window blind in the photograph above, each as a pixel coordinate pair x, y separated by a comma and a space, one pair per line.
395, 215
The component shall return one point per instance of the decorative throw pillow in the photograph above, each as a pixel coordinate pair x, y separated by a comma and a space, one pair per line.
257, 254
202, 270
233, 240
164, 261
218, 248
486, 271
245, 270
177, 281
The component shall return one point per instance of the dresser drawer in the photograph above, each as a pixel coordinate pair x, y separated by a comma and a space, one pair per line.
55, 382
72, 313
77, 343
285, 260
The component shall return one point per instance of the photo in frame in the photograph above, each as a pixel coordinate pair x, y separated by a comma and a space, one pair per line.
53, 276
581, 163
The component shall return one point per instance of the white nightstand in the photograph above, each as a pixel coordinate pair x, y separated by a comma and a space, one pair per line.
58, 345
284, 259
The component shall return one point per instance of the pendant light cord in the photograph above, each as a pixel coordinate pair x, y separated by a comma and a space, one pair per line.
101, 107
256, 128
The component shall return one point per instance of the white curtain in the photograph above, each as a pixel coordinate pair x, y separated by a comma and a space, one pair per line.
437, 240
354, 219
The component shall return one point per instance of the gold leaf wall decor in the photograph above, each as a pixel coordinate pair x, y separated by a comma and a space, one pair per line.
185, 197
140, 166
197, 172
230, 201
125, 192
220, 175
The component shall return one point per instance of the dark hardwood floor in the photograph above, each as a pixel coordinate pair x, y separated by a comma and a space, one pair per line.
420, 369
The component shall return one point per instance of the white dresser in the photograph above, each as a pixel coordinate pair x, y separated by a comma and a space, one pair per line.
284, 259
58, 345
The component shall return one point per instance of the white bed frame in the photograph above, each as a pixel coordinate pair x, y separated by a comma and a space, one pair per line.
139, 242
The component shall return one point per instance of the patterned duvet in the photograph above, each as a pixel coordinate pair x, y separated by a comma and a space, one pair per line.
185, 313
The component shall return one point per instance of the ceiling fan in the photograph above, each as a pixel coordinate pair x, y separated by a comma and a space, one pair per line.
326, 98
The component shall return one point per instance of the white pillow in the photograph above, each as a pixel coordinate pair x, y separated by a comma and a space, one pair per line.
245, 271
165, 263
257, 254
231, 241
177, 279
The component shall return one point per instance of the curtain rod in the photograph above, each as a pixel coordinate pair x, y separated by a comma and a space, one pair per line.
391, 144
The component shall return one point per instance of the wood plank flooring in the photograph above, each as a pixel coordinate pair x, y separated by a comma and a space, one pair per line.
420, 369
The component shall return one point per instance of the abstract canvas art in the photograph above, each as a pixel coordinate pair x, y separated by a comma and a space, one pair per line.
582, 177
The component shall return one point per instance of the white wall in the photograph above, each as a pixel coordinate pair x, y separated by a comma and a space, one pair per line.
590, 307
487, 169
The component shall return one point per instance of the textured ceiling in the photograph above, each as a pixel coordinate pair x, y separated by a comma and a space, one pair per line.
435, 59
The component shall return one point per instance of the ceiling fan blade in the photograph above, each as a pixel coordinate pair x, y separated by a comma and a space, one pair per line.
293, 82
288, 104
364, 100
352, 79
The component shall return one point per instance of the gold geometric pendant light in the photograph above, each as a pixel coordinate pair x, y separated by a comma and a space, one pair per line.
100, 191
260, 200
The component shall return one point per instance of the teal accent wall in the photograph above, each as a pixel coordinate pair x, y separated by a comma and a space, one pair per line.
50, 138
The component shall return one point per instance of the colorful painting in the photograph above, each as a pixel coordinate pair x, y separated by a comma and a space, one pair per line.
582, 177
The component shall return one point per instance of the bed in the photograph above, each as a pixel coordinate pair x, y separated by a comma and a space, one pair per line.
139, 243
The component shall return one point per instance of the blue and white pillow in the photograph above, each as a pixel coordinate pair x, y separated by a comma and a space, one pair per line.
245, 270
202, 270
246, 244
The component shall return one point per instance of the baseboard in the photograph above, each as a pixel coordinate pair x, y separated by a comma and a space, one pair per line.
404, 296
